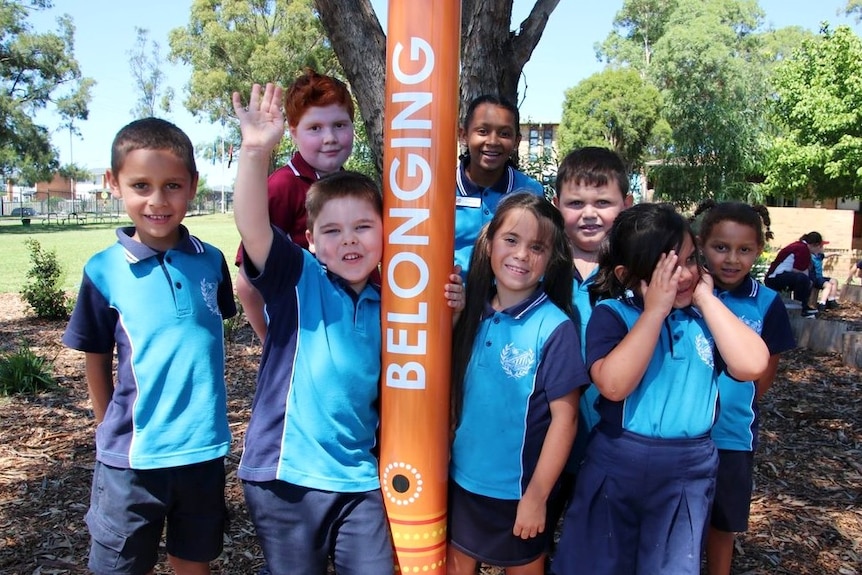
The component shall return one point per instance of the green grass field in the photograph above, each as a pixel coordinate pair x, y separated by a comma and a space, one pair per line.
74, 244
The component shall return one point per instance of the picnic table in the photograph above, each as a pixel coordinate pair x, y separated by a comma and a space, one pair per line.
105, 217
75, 218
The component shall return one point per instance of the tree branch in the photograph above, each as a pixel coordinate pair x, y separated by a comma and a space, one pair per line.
530, 31
357, 37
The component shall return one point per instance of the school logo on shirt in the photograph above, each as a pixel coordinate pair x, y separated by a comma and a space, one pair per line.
209, 291
755, 324
703, 345
516, 362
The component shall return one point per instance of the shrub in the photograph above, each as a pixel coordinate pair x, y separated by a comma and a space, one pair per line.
23, 371
233, 325
42, 290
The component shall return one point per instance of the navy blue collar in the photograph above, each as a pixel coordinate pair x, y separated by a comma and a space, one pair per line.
746, 288
136, 251
519, 309
467, 188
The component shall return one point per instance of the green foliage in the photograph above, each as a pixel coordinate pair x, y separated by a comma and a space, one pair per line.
22, 371
854, 8
614, 108
145, 63
233, 325
713, 99
231, 43
42, 291
36, 70
543, 169
818, 105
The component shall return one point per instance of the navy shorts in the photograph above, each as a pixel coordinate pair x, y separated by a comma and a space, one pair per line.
300, 528
641, 505
481, 527
129, 508
733, 491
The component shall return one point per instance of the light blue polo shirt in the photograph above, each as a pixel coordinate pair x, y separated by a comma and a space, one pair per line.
163, 312
587, 413
678, 394
314, 417
761, 309
523, 358
475, 206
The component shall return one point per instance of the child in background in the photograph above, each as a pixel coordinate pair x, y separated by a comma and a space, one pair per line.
645, 488
486, 174
731, 238
592, 189
517, 370
309, 472
790, 269
827, 287
319, 113
855, 272
158, 296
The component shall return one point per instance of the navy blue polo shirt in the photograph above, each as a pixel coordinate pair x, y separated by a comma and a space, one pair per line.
314, 416
523, 358
761, 309
678, 394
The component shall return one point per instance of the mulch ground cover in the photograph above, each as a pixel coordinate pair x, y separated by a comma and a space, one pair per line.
806, 514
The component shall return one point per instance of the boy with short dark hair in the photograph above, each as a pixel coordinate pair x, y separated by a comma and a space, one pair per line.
308, 468
592, 188
319, 112
158, 296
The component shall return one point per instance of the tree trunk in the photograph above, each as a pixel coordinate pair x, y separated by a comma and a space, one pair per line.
492, 56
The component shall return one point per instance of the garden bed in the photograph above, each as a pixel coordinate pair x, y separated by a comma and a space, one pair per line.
806, 513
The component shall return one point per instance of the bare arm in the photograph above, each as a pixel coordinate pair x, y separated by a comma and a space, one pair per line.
100, 382
765, 381
619, 373
532, 509
743, 350
262, 127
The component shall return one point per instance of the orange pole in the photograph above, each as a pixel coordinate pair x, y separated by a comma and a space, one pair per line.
420, 149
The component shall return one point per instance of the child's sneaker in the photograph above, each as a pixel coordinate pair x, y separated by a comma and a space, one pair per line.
832, 304
821, 306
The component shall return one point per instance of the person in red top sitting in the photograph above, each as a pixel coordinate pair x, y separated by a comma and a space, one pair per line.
789, 269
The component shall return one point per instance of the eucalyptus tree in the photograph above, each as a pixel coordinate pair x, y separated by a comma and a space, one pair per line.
37, 71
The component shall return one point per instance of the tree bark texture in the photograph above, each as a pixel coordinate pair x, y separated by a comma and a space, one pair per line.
492, 55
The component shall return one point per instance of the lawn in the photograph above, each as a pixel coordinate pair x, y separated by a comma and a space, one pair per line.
74, 244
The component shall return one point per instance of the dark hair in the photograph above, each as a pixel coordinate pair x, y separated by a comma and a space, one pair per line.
636, 241
313, 89
812, 238
494, 101
557, 283
593, 166
152, 134
755, 217
341, 184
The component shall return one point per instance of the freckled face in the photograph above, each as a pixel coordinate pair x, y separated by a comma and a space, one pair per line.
324, 137
730, 251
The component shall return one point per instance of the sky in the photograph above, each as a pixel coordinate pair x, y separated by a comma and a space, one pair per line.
105, 32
